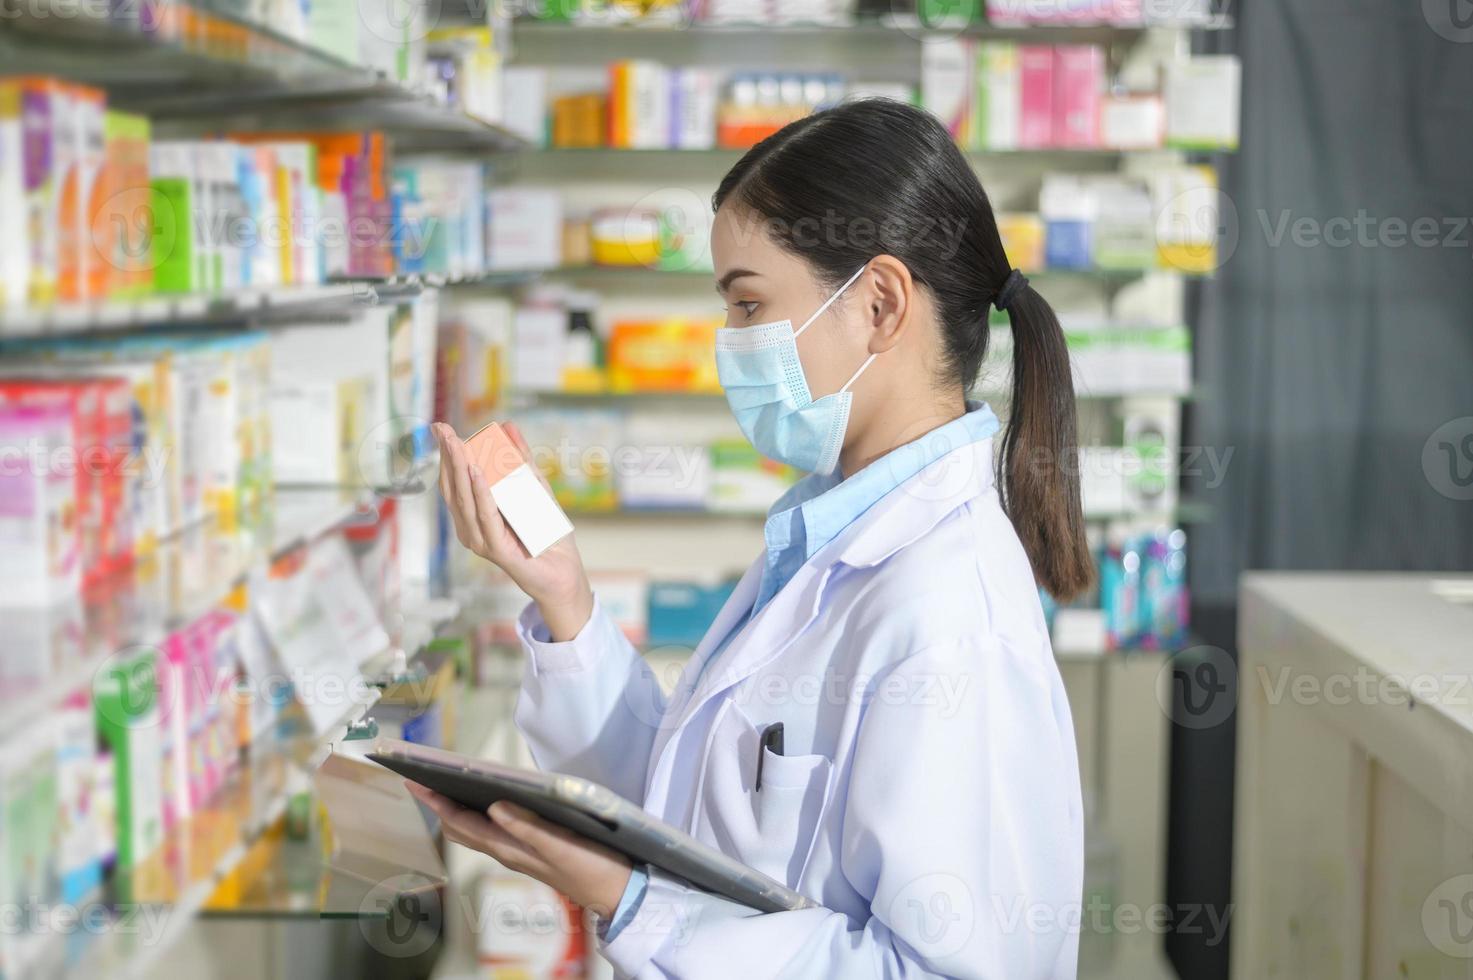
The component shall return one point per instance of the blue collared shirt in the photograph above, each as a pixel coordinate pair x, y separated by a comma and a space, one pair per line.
813, 512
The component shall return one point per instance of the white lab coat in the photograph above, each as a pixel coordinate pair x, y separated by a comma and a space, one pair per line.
928, 796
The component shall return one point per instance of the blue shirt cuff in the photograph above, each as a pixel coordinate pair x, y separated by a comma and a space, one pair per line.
629, 903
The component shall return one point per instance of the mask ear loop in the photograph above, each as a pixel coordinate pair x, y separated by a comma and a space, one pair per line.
830, 302
868, 361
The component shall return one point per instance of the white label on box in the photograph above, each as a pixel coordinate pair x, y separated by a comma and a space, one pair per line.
530, 510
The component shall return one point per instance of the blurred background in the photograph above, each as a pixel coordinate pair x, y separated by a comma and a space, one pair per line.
250, 249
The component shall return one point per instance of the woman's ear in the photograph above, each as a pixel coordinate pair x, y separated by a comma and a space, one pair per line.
890, 297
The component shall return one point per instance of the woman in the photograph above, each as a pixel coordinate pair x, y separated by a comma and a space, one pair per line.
927, 793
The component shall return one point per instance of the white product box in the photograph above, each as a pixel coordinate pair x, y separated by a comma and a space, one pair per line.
1202, 102
694, 91
1132, 122
948, 84
656, 477
526, 229
538, 353
524, 98
999, 96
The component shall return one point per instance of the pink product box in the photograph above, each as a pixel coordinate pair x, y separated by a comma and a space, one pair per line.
39, 530
1036, 74
175, 699
1079, 80
1018, 12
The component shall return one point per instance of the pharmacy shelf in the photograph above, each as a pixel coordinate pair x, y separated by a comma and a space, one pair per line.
257, 305
196, 856
220, 69
890, 29
141, 614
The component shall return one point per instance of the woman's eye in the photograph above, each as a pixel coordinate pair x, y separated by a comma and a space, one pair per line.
748, 307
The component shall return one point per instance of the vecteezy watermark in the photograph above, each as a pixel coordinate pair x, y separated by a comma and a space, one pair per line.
402, 916
1198, 687
35, 917
143, 467
1364, 230
942, 694
1015, 914
1450, 19
1447, 459
1364, 686
1447, 917
942, 233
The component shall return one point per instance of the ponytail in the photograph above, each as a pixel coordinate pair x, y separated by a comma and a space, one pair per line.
893, 177
1038, 472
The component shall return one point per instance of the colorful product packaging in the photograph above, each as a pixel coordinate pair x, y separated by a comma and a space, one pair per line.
999, 96
673, 355
1202, 100
122, 226
78, 862
1079, 81
80, 143
15, 255
41, 114
1036, 96
125, 695
179, 254
948, 85
39, 532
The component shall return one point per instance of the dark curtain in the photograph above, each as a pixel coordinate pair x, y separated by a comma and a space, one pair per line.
1334, 347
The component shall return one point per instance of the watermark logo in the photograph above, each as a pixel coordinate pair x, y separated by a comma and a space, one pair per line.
1450, 19
1447, 917
1447, 459
935, 20
681, 219
135, 229
1198, 687
400, 21
1197, 229
392, 456
936, 914
402, 916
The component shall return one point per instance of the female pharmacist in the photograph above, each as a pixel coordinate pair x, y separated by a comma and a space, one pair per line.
927, 794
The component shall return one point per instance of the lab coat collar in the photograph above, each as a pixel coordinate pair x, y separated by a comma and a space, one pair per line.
912, 509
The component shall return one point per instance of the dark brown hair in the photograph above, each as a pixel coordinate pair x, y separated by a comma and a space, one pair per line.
877, 177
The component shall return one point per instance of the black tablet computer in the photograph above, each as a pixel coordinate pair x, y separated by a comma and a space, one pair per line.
594, 811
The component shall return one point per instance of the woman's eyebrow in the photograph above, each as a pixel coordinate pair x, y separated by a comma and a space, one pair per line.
731, 277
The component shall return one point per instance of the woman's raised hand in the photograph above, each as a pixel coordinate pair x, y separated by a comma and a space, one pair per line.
555, 580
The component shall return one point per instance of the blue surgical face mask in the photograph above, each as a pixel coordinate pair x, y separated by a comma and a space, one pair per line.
765, 387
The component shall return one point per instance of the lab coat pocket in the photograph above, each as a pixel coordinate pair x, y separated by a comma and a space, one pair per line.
772, 829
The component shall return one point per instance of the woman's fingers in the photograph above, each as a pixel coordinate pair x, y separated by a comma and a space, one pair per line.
464, 508
488, 517
528, 828
473, 829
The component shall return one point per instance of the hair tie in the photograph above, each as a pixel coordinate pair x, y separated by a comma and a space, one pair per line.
1011, 286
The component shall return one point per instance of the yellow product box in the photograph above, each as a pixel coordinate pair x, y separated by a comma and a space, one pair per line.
1188, 219
663, 355
1022, 239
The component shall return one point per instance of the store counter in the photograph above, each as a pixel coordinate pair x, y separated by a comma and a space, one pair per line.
1354, 814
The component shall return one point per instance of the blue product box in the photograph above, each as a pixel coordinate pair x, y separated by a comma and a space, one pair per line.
680, 613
